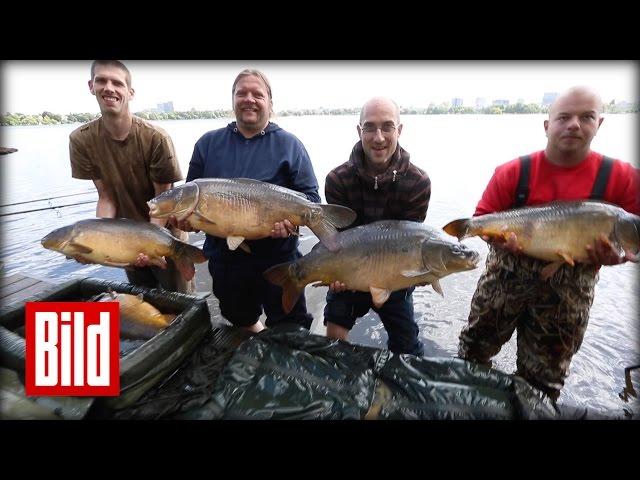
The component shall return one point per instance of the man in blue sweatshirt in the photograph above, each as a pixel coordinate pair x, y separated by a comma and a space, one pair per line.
253, 147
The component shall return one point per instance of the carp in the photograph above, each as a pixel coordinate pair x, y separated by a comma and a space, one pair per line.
116, 242
379, 258
559, 231
138, 319
242, 208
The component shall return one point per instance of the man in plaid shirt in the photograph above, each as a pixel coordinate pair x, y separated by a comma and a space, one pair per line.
379, 183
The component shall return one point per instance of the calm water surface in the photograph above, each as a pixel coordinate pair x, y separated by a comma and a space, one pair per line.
458, 152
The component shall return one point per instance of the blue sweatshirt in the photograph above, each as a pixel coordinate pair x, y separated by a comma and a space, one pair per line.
273, 156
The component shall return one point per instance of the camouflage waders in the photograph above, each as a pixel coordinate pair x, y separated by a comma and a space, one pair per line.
550, 316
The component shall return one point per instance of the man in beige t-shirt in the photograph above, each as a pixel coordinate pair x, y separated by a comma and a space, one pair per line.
130, 161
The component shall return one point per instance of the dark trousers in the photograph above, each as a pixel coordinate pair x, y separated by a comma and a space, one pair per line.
156, 277
396, 315
243, 293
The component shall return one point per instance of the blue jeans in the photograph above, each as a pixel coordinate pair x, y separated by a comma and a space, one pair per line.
243, 293
396, 315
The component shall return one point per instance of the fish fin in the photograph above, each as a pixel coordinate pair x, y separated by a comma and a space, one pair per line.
159, 262
379, 295
234, 242
458, 228
437, 287
548, 270
185, 256
109, 263
327, 234
244, 247
414, 273
283, 276
78, 248
169, 317
567, 258
338, 215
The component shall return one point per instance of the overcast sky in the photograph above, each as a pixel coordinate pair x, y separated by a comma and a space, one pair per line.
61, 86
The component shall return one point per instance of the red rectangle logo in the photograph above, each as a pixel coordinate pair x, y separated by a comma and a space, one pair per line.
72, 348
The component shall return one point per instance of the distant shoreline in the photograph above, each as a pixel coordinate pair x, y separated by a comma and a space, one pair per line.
48, 118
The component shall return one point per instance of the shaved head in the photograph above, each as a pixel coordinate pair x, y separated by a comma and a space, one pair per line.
576, 93
377, 102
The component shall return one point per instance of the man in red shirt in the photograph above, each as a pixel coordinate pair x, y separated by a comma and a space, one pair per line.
550, 316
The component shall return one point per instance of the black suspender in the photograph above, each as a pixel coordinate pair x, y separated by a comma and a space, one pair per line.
522, 190
602, 178
597, 193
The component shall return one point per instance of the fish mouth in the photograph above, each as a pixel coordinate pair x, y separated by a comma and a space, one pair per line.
474, 259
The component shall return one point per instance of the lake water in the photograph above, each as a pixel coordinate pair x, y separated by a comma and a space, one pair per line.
459, 152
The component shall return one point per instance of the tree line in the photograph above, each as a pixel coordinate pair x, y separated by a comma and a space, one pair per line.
48, 118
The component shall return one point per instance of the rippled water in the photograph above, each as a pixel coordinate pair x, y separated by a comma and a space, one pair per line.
459, 153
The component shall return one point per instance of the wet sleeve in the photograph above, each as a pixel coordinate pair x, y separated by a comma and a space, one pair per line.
81, 165
164, 167
303, 177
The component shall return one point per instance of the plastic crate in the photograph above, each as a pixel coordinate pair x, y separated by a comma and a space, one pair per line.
144, 366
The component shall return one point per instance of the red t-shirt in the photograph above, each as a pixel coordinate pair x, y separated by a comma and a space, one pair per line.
549, 182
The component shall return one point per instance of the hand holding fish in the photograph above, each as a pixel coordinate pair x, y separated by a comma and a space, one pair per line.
510, 243
183, 225
602, 252
337, 287
143, 261
283, 229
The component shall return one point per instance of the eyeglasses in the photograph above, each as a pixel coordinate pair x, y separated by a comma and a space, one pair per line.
371, 128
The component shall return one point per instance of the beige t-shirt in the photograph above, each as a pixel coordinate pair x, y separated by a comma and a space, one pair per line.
126, 167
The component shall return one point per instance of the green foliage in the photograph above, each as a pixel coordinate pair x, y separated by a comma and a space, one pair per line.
48, 118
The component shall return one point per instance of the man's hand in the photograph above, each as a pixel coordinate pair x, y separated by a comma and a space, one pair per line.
143, 261
509, 244
183, 225
337, 287
283, 229
81, 260
602, 252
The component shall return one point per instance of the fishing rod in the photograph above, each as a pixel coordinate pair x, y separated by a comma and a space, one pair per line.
46, 208
48, 198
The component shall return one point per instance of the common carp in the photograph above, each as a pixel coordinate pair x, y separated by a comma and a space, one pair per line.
241, 208
138, 319
379, 257
559, 231
116, 242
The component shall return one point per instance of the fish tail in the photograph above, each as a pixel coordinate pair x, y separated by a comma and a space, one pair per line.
185, 257
283, 275
458, 228
338, 216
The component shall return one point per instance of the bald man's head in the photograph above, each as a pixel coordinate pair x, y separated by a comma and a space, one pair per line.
577, 94
380, 102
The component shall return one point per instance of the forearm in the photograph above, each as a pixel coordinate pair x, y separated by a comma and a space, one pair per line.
105, 208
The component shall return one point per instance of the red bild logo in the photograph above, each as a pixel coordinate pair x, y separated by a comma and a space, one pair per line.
72, 348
